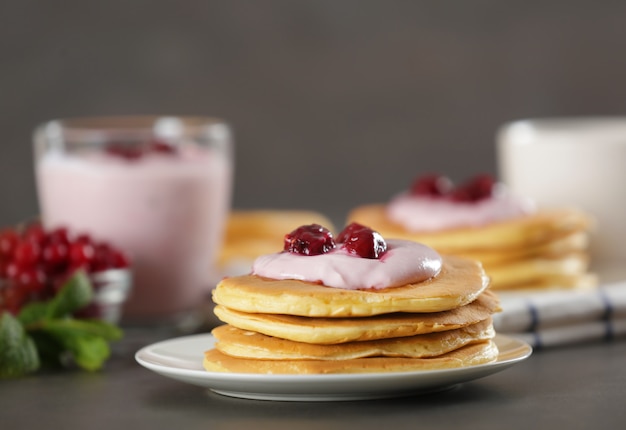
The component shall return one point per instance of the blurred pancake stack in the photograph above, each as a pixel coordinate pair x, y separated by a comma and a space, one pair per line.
519, 246
297, 327
255, 232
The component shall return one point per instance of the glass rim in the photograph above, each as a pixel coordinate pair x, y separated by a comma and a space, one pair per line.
99, 128
132, 122
558, 124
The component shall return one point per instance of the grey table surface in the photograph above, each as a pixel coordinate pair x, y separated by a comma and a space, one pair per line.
575, 387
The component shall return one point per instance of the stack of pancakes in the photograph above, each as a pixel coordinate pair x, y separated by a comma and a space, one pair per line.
298, 327
548, 249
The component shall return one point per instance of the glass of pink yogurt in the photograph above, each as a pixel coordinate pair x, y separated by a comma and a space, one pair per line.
159, 188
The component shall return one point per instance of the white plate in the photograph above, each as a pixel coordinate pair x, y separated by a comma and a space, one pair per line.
181, 359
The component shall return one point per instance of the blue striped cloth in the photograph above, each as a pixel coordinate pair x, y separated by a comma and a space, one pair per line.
562, 317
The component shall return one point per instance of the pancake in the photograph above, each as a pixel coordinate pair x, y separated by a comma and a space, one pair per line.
474, 354
547, 249
584, 281
339, 330
536, 270
460, 282
249, 344
515, 234
574, 243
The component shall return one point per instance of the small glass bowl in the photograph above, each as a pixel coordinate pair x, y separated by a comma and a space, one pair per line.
111, 289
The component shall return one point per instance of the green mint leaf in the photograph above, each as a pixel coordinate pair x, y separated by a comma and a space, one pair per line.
33, 312
76, 293
51, 352
18, 354
51, 334
99, 328
90, 352
86, 340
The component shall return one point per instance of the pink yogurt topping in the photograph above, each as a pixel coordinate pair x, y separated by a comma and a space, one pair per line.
425, 213
404, 262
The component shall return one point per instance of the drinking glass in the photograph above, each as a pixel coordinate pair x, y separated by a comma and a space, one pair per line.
158, 188
573, 161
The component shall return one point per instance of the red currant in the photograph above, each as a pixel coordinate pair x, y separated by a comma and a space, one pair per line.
8, 241
54, 256
35, 233
32, 280
3, 269
83, 238
35, 264
12, 298
59, 235
27, 253
11, 270
81, 254
120, 260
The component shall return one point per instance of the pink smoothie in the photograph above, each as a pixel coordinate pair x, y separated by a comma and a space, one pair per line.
165, 211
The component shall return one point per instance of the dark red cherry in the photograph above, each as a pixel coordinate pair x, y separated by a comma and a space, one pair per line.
312, 239
362, 241
432, 185
348, 231
477, 188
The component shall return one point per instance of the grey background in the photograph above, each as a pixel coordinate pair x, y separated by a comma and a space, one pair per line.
333, 103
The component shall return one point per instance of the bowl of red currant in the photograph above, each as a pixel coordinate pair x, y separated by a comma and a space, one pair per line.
35, 263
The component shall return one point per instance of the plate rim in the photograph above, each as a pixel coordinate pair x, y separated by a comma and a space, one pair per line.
322, 387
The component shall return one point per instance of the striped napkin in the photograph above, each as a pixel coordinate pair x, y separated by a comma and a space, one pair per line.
561, 317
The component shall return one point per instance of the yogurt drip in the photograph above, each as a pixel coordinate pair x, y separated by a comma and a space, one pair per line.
405, 262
